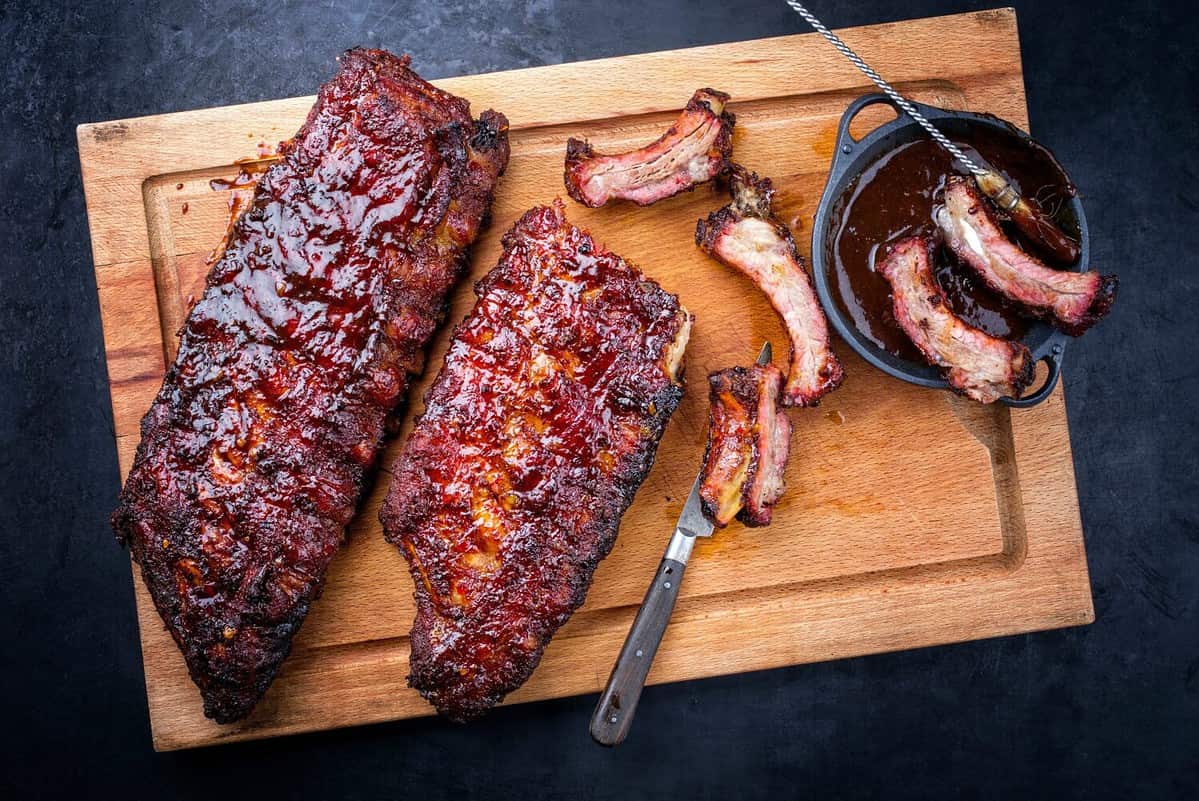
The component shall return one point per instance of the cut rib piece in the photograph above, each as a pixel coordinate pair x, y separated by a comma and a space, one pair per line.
743, 235
540, 427
977, 364
1072, 301
696, 148
255, 452
749, 438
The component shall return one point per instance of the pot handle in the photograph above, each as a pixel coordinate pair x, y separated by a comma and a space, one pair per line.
844, 137
1052, 355
854, 109
845, 144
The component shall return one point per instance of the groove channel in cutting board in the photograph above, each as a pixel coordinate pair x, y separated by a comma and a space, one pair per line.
912, 517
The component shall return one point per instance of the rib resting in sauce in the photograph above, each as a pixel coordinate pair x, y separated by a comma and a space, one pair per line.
1072, 301
976, 364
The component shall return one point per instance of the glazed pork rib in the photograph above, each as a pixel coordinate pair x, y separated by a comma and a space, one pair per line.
695, 149
540, 427
977, 364
1072, 301
255, 451
749, 437
744, 236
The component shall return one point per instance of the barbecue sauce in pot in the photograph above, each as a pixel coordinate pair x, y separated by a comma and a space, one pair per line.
895, 197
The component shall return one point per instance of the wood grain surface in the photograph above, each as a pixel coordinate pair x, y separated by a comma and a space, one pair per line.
911, 518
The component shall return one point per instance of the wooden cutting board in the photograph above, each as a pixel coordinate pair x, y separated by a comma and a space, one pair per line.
912, 517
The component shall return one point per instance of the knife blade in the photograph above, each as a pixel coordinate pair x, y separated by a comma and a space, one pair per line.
613, 714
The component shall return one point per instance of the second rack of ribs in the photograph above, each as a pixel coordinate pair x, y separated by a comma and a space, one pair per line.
538, 431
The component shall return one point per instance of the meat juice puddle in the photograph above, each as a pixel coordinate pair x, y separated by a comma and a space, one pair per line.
895, 198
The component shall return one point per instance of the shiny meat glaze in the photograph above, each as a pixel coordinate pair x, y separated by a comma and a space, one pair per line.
257, 447
1072, 301
536, 435
749, 438
977, 364
744, 236
695, 149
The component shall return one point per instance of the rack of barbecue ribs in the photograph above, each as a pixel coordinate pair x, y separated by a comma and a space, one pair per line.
749, 438
976, 364
255, 451
536, 434
745, 236
1071, 301
696, 148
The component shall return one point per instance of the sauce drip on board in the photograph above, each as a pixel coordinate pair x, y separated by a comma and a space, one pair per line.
895, 197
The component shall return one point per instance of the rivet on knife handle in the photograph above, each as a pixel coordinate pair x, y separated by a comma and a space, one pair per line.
614, 713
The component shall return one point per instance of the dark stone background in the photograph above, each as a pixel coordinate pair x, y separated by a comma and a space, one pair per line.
1106, 711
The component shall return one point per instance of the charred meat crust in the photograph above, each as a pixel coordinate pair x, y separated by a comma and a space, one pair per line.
695, 148
256, 449
772, 435
748, 441
730, 457
1101, 304
1071, 301
745, 236
537, 433
975, 363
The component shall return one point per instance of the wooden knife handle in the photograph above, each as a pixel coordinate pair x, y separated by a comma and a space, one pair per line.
614, 713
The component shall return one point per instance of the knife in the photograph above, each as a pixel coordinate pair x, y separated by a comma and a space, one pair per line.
614, 713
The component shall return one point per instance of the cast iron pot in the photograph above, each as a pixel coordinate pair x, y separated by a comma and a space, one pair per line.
851, 157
